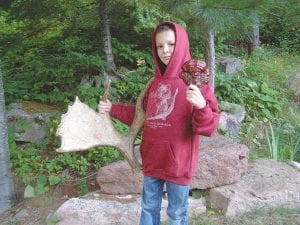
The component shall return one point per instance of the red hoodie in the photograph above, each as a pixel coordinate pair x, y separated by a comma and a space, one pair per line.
172, 126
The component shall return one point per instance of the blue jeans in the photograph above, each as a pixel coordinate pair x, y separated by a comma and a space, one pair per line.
151, 202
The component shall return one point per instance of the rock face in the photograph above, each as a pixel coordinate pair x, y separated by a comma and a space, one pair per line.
267, 184
118, 178
221, 161
99, 209
29, 120
231, 118
230, 65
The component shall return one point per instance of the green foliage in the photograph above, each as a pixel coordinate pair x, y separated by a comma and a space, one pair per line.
41, 185
268, 65
295, 153
273, 140
90, 96
101, 156
21, 125
197, 194
128, 54
83, 188
41, 167
42, 60
52, 219
260, 100
261, 88
132, 84
155, 12
279, 23
283, 142
53, 179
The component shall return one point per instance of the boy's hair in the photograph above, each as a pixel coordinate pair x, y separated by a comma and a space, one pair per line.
164, 27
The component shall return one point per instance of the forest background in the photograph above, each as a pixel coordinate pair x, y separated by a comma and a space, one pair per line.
54, 50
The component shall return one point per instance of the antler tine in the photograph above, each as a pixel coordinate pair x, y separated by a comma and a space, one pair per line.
106, 89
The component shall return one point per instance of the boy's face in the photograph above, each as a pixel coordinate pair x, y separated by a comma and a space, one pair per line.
165, 43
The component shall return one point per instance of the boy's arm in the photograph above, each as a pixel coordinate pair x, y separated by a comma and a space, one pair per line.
124, 113
205, 121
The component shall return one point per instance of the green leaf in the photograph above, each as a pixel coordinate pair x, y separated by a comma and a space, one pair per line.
29, 192
266, 98
42, 180
52, 219
54, 180
41, 189
260, 105
267, 113
264, 88
252, 84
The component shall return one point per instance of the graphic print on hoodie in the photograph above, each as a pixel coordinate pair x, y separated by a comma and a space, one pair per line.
165, 100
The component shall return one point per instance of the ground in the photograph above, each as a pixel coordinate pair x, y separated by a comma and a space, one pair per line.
35, 211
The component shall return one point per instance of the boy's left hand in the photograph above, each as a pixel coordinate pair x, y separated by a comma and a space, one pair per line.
194, 96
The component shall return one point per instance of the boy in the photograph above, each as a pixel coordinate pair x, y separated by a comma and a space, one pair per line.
175, 117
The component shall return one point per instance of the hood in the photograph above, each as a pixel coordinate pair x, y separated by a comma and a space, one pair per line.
181, 52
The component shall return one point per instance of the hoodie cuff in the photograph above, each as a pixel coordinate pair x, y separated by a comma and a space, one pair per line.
204, 113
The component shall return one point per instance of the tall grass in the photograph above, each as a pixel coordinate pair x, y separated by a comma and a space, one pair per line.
273, 141
275, 67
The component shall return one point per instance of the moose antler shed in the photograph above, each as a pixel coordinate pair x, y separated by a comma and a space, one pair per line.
82, 128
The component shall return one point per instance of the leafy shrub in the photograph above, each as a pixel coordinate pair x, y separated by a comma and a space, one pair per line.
279, 24
260, 100
90, 96
128, 54
133, 83
261, 88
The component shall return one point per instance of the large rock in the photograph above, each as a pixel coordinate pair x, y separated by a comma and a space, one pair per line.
230, 65
118, 178
232, 116
221, 161
29, 120
267, 184
99, 209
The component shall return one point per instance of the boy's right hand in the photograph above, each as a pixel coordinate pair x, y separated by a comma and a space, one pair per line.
104, 107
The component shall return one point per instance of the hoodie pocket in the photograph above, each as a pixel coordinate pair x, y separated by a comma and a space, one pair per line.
159, 156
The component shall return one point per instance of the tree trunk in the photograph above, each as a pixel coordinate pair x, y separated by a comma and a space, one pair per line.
106, 38
7, 193
254, 38
210, 55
